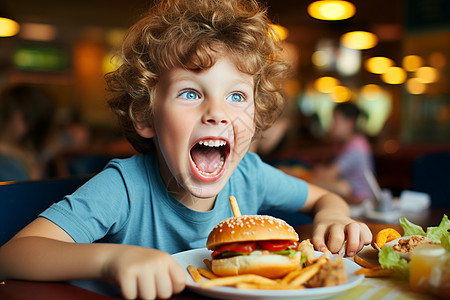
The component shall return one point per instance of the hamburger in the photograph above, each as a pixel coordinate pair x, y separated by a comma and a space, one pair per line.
253, 244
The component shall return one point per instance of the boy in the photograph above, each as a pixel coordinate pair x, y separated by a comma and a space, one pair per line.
198, 80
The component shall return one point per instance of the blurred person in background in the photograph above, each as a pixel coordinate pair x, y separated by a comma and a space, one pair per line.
351, 156
26, 122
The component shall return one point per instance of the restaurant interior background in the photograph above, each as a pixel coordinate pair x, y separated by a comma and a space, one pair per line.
401, 79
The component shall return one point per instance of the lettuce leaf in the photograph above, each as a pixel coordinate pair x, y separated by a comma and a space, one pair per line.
436, 233
410, 228
229, 253
389, 259
445, 241
288, 252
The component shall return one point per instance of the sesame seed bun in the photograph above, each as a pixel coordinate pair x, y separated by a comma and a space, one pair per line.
248, 228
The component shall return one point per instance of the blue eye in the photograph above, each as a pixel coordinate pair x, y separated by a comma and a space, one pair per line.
191, 95
236, 97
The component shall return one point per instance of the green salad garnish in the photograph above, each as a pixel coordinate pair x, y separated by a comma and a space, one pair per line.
390, 259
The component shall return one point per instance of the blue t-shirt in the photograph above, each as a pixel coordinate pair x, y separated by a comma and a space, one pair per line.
128, 203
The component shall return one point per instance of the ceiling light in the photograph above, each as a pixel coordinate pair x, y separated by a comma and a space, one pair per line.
378, 64
394, 75
281, 32
415, 87
341, 94
371, 91
427, 74
412, 62
359, 40
331, 10
8, 27
326, 84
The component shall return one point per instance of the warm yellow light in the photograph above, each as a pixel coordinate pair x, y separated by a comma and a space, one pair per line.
326, 84
320, 58
359, 40
378, 64
341, 94
371, 91
8, 27
394, 75
412, 62
281, 32
427, 74
331, 10
110, 63
414, 86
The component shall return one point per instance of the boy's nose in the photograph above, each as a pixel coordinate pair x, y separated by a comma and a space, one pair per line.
215, 114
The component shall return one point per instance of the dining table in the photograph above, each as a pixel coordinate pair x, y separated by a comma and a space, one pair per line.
370, 288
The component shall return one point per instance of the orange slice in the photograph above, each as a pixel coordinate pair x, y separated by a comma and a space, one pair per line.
386, 235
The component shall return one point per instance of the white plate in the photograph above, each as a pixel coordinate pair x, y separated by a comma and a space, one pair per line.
195, 257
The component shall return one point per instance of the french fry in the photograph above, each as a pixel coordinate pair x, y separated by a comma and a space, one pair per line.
233, 280
363, 263
307, 250
327, 253
207, 263
194, 273
234, 206
206, 273
308, 272
289, 276
375, 272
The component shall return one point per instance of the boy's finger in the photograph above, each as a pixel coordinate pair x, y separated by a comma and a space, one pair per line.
163, 286
318, 239
128, 287
366, 234
178, 277
336, 238
353, 238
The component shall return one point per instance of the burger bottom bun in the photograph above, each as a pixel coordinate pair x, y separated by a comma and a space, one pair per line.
270, 266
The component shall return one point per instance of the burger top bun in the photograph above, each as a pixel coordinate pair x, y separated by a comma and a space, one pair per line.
248, 228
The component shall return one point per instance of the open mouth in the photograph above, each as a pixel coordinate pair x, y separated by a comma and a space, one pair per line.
208, 158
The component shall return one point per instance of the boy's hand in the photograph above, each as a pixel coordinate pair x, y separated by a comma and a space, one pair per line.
331, 232
144, 273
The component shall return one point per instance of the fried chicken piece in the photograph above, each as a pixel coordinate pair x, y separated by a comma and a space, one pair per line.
406, 245
331, 274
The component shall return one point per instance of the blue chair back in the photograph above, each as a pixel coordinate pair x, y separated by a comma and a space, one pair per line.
431, 175
21, 202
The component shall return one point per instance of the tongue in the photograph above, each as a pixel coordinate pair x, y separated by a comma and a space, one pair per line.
207, 159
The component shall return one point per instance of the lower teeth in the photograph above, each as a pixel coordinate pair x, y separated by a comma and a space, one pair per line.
219, 167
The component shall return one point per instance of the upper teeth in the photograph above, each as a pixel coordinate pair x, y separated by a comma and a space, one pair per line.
212, 143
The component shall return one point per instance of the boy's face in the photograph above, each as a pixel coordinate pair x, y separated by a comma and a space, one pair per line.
203, 125
341, 128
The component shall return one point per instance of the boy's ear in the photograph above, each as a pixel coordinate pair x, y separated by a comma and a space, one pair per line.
144, 129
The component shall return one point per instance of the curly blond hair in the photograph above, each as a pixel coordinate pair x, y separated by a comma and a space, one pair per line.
191, 34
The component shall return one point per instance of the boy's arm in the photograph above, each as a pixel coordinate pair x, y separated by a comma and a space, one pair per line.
43, 251
332, 223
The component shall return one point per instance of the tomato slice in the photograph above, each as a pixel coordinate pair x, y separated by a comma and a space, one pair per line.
242, 247
278, 245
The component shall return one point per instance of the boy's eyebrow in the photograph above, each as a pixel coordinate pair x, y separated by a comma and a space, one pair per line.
186, 75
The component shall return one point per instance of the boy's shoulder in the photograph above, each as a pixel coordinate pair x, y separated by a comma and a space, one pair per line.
251, 158
135, 164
